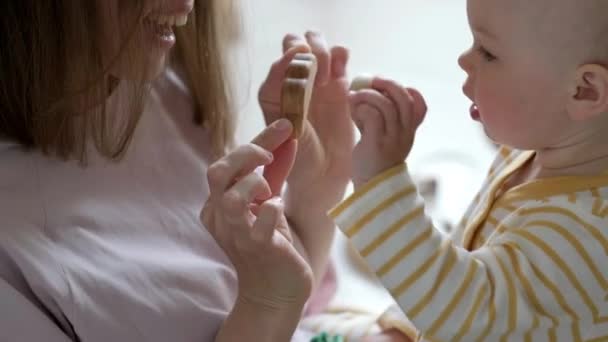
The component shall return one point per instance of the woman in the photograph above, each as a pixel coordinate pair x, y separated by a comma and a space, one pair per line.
104, 155
109, 245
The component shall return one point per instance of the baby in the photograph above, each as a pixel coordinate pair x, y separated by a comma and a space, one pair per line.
529, 260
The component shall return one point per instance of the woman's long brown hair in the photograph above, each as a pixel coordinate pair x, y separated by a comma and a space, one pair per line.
200, 52
51, 63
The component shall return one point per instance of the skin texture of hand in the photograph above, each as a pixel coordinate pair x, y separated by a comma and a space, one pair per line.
324, 149
322, 167
387, 116
248, 223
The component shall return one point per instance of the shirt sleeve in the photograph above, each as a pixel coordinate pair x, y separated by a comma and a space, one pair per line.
512, 289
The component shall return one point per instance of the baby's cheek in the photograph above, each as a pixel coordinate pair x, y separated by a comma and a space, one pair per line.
486, 101
495, 99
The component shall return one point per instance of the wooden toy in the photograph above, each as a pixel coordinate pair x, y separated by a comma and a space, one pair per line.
297, 90
361, 82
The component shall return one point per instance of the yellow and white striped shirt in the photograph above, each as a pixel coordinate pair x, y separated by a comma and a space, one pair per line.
528, 265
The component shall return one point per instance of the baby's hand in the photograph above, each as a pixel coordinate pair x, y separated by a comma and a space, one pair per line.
387, 115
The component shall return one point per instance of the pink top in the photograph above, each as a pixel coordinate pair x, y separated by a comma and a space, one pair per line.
116, 252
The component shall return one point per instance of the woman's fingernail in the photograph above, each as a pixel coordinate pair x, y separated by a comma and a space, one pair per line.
270, 156
302, 47
282, 124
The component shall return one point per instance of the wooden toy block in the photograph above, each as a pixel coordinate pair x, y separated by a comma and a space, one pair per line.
361, 82
297, 90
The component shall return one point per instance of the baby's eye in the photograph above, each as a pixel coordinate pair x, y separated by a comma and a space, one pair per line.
486, 54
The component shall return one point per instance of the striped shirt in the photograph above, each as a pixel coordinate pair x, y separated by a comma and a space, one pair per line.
528, 265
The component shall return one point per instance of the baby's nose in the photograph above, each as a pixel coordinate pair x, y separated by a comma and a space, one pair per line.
464, 60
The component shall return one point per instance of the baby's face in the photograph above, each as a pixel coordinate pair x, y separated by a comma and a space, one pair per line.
519, 69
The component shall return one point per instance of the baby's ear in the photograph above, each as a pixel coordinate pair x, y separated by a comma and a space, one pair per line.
589, 92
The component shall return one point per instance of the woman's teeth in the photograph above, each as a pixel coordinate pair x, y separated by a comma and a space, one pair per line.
170, 20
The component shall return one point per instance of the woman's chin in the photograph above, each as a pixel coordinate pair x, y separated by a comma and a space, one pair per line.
155, 67
146, 72
154, 73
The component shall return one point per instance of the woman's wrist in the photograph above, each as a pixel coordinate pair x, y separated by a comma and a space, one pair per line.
318, 197
260, 321
307, 215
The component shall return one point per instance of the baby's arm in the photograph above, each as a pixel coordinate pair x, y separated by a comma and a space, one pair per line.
513, 287
517, 284
387, 115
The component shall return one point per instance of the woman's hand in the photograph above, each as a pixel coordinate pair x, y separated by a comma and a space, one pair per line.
387, 116
322, 166
248, 223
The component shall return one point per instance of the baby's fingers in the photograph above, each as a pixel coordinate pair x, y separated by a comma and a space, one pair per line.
400, 97
369, 121
382, 105
420, 107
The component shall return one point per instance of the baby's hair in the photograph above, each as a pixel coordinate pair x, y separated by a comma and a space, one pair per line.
581, 27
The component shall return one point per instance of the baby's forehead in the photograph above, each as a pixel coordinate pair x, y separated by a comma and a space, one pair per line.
574, 29
556, 12
569, 21
572, 15
543, 19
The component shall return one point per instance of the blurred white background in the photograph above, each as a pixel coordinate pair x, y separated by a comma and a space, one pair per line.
416, 42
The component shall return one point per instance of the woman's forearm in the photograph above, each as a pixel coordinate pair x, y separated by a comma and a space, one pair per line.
315, 235
307, 215
260, 322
